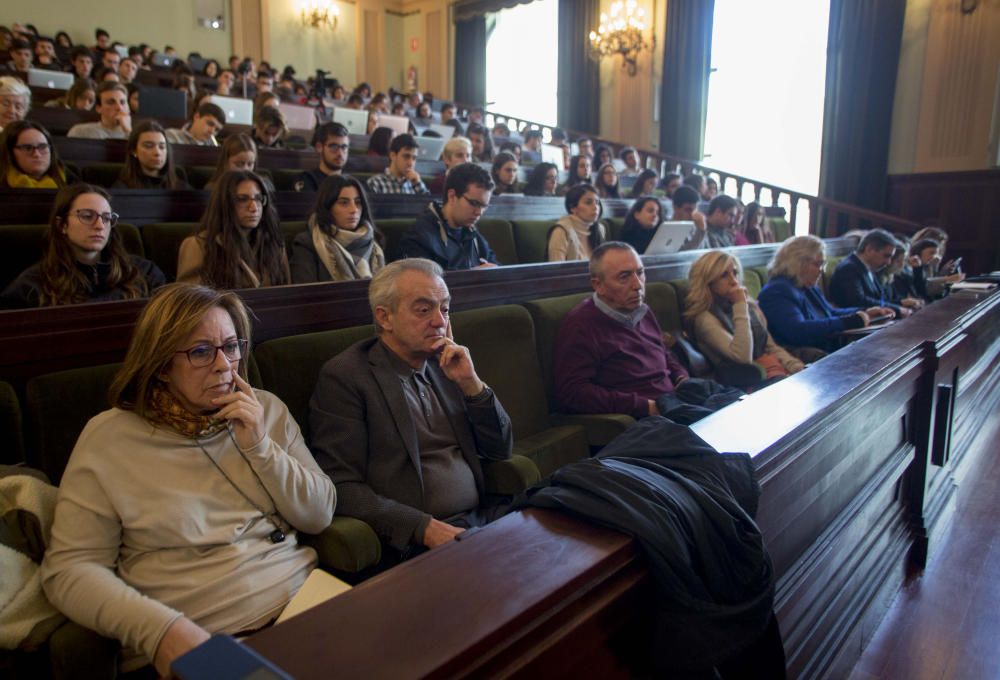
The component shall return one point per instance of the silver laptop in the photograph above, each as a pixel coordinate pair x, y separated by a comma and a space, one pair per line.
55, 80
238, 111
429, 148
446, 131
122, 51
399, 124
552, 154
355, 121
669, 238
298, 117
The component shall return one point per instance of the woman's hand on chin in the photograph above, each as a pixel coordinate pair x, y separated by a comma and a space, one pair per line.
182, 636
243, 410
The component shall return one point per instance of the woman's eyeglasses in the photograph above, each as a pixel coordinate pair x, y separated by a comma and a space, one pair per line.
89, 217
259, 199
29, 149
204, 355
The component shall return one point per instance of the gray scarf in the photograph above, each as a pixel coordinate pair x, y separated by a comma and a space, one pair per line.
347, 255
723, 311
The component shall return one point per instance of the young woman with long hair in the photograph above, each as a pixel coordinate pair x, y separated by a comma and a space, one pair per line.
342, 242
237, 244
645, 183
504, 173
607, 181
28, 159
149, 161
543, 180
239, 152
84, 259
643, 218
727, 325
579, 173
579, 232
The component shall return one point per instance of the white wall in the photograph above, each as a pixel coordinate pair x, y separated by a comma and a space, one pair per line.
308, 49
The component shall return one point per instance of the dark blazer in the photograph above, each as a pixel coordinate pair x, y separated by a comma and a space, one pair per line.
851, 286
364, 439
452, 248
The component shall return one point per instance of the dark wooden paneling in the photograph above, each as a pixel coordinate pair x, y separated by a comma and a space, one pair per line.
965, 204
832, 446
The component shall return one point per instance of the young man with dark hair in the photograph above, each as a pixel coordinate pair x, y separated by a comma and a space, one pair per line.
446, 232
447, 112
721, 219
265, 82
855, 281
103, 40
45, 55
127, 71
111, 60
685, 205
533, 140
355, 101
206, 123
332, 142
82, 60
21, 59
400, 177
116, 119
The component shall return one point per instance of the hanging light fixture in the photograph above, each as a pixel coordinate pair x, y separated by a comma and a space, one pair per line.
621, 33
319, 14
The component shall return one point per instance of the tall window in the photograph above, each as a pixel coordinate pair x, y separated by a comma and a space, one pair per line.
522, 62
765, 98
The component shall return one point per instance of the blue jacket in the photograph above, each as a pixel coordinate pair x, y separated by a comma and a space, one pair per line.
432, 238
801, 317
852, 285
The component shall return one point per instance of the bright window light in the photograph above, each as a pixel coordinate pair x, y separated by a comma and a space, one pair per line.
522, 62
765, 98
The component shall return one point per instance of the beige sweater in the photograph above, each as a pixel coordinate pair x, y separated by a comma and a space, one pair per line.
147, 528
719, 345
568, 240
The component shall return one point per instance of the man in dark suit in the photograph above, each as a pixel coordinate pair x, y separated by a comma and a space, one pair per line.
855, 281
400, 421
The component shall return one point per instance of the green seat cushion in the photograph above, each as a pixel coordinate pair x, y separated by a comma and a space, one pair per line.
348, 545
198, 175
57, 407
500, 235
553, 447
102, 174
531, 239
289, 366
780, 228
10, 426
393, 230
163, 241
511, 476
599, 428
663, 300
284, 179
752, 281
289, 230
613, 227
547, 314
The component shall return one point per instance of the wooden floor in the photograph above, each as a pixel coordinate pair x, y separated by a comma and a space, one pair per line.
945, 624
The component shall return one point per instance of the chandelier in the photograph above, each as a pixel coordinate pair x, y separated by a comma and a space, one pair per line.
319, 14
620, 33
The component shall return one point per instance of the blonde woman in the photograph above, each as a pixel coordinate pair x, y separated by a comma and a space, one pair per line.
726, 323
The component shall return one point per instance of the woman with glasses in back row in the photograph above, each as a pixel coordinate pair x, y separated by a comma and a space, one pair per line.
237, 244
28, 160
84, 260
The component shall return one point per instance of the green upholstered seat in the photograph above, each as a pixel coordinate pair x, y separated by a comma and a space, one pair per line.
102, 174
761, 274
284, 179
530, 239
22, 245
393, 230
289, 230
831, 266
57, 406
501, 341
500, 235
198, 175
547, 314
12, 451
752, 281
613, 227
665, 302
780, 228
162, 241
289, 366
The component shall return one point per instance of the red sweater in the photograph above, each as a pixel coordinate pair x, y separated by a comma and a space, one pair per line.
603, 366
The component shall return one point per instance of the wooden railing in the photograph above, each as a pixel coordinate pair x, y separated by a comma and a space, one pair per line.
826, 218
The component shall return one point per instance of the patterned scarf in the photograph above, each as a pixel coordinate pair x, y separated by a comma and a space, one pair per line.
347, 254
168, 411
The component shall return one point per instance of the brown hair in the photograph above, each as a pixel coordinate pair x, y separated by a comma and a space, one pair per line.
8, 140
62, 281
132, 172
170, 316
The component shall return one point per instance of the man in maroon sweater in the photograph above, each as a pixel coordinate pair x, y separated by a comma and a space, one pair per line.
610, 356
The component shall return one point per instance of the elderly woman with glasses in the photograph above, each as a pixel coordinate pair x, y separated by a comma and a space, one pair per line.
28, 160
237, 244
178, 511
84, 259
15, 100
797, 312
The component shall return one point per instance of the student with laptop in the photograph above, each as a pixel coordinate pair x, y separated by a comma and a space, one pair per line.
332, 143
401, 176
82, 61
206, 123
116, 120
643, 219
